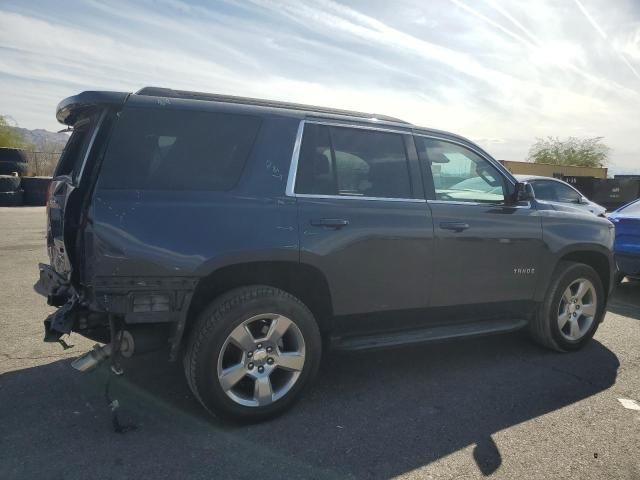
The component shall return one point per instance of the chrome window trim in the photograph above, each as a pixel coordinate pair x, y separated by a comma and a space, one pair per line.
356, 197
293, 165
94, 134
295, 157
477, 204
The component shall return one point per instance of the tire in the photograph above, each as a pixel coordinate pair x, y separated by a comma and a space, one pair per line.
35, 190
15, 155
545, 326
8, 168
9, 183
11, 199
210, 346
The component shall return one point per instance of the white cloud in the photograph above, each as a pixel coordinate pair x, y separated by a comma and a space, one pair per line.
502, 72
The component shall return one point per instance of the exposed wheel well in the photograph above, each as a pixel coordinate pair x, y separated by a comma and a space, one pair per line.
595, 260
303, 281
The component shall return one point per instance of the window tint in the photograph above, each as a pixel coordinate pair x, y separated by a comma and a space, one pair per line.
544, 191
566, 194
315, 166
354, 162
74, 151
170, 149
459, 174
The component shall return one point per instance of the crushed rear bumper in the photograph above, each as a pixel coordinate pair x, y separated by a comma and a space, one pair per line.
59, 293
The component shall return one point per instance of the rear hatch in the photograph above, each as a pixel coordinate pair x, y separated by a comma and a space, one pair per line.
90, 115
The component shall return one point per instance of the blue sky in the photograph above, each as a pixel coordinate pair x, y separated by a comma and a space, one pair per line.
500, 72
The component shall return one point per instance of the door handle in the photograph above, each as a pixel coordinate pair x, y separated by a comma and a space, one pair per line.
336, 223
455, 226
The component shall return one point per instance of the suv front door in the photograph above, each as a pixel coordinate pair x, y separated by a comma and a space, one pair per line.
487, 249
363, 219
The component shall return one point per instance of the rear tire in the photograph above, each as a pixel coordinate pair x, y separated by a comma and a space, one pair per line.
214, 352
11, 199
559, 309
9, 183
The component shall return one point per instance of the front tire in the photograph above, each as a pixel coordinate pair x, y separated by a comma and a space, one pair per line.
573, 308
252, 353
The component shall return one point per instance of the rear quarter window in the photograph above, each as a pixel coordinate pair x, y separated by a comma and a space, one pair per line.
169, 149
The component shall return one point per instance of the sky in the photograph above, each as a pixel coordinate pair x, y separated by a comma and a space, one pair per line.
499, 72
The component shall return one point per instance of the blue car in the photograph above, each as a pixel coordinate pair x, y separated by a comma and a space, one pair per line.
627, 244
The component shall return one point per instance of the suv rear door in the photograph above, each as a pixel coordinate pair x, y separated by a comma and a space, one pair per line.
363, 219
61, 227
86, 113
487, 249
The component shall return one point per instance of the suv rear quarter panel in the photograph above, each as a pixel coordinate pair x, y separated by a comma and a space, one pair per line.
191, 233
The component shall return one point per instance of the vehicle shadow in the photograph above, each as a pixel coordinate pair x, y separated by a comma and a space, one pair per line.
626, 299
370, 415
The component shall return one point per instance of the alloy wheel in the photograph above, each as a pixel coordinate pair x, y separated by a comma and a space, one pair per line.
577, 309
261, 360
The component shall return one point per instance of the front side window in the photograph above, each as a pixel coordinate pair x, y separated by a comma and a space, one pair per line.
170, 149
460, 174
544, 191
352, 162
566, 194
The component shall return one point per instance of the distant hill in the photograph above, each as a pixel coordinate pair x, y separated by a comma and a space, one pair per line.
43, 139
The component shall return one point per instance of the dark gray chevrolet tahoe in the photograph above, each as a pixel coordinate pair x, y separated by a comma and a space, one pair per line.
245, 235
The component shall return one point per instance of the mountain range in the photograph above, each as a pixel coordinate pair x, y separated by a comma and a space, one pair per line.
43, 139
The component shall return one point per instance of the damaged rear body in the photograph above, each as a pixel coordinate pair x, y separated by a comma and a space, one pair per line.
142, 193
90, 277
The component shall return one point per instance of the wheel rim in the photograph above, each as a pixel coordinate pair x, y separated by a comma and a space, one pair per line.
577, 309
261, 360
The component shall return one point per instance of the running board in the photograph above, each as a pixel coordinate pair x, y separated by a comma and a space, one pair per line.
425, 335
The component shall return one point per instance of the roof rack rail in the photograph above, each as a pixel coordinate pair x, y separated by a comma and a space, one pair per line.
170, 93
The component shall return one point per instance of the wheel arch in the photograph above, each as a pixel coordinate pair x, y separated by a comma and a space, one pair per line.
304, 281
597, 260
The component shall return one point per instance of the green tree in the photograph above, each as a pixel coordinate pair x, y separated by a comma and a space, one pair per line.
582, 152
8, 136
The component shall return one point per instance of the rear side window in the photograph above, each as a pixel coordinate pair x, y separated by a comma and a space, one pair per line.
168, 149
76, 148
352, 162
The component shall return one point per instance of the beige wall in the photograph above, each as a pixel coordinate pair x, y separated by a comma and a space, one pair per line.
548, 170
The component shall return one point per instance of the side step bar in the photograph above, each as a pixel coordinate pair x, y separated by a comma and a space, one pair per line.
428, 334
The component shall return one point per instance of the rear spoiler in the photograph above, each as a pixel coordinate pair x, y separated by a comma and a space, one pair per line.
71, 108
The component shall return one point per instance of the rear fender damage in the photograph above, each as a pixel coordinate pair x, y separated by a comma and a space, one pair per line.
153, 310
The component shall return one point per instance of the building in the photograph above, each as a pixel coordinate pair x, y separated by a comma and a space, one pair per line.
550, 170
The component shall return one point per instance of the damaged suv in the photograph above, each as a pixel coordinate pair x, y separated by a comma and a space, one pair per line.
245, 235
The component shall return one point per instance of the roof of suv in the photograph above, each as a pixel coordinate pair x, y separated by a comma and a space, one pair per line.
69, 108
170, 93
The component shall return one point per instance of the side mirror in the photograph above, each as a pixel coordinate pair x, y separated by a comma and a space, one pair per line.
583, 201
523, 192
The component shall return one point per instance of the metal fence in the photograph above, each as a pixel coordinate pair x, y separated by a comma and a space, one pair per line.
41, 163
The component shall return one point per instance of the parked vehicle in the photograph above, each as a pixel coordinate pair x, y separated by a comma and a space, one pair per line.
561, 195
627, 243
248, 234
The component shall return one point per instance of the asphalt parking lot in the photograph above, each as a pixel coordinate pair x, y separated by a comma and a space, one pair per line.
497, 406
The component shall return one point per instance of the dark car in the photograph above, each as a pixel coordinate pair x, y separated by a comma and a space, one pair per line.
560, 195
247, 235
627, 243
